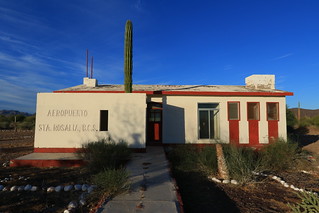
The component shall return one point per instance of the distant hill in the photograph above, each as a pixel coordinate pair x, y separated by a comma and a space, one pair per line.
13, 112
305, 112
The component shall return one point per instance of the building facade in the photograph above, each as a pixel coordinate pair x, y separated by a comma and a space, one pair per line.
250, 115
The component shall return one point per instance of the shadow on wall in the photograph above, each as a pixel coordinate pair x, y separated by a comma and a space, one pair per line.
132, 125
173, 123
107, 136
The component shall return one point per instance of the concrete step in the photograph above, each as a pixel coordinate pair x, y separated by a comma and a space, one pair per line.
48, 160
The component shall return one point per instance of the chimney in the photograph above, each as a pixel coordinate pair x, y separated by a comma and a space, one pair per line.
260, 82
90, 82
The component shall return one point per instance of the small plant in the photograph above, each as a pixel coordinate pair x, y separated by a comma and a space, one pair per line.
309, 203
241, 162
111, 181
184, 157
278, 156
105, 154
208, 159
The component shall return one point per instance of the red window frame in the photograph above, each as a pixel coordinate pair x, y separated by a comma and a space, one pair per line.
258, 103
237, 109
277, 106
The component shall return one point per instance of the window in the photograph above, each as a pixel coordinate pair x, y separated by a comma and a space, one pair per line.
233, 111
208, 121
104, 120
272, 112
253, 110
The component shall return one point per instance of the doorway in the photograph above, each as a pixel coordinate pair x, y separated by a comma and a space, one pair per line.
154, 123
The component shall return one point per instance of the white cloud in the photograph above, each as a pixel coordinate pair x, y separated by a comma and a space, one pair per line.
283, 56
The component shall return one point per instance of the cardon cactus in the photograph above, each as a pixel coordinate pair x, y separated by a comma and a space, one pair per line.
128, 63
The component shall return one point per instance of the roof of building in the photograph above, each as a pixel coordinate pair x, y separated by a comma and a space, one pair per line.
178, 90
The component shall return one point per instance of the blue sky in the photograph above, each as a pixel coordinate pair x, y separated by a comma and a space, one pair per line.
213, 42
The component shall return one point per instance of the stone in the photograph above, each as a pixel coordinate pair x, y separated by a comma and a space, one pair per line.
58, 188
34, 188
85, 187
27, 187
72, 205
82, 202
13, 188
50, 189
216, 180
226, 181
68, 188
78, 187
235, 182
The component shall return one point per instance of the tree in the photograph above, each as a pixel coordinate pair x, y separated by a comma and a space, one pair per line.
291, 119
128, 64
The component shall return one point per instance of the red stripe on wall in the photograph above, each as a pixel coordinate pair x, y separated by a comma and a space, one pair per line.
234, 132
272, 130
253, 132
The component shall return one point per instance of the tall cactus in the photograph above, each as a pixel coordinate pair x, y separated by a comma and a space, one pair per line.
128, 63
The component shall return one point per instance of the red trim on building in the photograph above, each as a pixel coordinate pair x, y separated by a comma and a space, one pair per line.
195, 93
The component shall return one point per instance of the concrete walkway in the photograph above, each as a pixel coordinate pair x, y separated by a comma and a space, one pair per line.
151, 189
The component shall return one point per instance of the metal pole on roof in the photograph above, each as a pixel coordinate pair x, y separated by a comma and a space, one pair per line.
92, 67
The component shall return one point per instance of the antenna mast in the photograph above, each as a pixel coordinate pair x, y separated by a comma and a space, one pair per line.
92, 67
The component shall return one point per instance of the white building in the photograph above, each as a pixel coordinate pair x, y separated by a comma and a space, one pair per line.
252, 115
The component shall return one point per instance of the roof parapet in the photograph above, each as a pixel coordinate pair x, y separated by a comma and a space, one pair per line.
260, 82
90, 82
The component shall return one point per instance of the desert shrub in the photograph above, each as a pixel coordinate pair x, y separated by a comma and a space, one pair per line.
278, 156
315, 121
208, 160
184, 157
241, 162
290, 117
309, 203
105, 154
111, 181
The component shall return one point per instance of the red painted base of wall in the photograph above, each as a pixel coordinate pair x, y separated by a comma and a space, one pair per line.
75, 150
46, 163
202, 145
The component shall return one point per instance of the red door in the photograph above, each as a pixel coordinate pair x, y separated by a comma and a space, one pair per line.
272, 118
154, 123
253, 132
233, 119
253, 113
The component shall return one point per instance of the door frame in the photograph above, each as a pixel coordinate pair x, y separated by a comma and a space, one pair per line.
151, 125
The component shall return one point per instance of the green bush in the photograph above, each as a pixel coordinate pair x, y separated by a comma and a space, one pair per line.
241, 162
105, 154
309, 203
184, 157
208, 160
111, 181
278, 156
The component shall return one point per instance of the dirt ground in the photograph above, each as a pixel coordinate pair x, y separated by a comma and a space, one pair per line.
266, 195
15, 144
